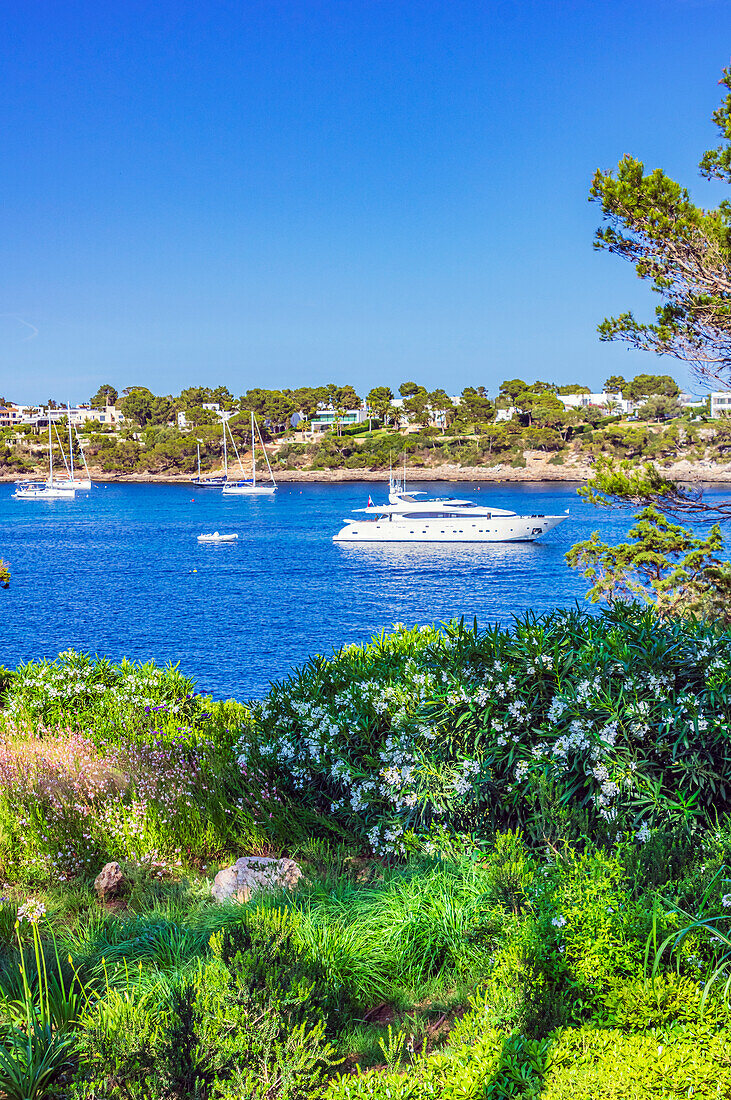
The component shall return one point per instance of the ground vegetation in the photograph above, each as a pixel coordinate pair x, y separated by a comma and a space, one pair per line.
516, 864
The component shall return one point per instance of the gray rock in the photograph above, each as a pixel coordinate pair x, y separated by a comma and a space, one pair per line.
252, 873
110, 882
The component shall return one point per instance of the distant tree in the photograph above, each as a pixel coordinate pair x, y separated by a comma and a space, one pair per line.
572, 389
137, 405
379, 401
648, 385
195, 397
442, 407
615, 384
162, 410
417, 407
475, 406
660, 407
105, 395
408, 389
222, 396
512, 388
308, 398
278, 409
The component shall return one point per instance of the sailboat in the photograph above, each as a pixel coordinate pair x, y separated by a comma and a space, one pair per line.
49, 490
71, 481
252, 487
213, 482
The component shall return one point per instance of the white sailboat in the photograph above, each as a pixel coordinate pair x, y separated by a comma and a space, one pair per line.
39, 490
252, 487
72, 480
212, 482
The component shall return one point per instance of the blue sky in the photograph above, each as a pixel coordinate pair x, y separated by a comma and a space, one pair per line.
287, 193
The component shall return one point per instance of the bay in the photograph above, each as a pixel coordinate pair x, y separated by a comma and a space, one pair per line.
119, 572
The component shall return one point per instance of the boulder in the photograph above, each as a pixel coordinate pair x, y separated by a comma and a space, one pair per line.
110, 882
252, 873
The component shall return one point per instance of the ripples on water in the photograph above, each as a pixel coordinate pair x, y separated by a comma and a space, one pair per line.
119, 572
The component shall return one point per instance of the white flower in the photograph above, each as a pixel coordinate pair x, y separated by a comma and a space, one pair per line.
726, 901
643, 834
32, 911
558, 922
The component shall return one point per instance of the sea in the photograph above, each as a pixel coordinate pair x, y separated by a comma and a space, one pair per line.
119, 572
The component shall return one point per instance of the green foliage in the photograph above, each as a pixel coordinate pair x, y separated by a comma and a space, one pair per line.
464, 728
665, 565
681, 249
652, 1065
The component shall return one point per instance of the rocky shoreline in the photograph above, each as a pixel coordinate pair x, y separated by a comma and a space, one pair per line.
537, 469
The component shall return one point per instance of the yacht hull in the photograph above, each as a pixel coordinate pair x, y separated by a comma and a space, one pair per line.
249, 490
479, 529
45, 494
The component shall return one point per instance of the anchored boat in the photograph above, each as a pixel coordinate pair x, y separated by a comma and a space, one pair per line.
216, 537
412, 516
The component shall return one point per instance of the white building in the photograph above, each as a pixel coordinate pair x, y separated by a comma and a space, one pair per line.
608, 401
325, 420
78, 414
212, 407
720, 403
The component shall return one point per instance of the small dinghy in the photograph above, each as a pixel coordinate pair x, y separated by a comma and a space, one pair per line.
216, 537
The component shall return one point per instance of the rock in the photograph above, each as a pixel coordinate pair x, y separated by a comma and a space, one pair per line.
252, 873
110, 882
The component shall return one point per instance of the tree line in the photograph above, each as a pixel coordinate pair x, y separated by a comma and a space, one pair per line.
536, 403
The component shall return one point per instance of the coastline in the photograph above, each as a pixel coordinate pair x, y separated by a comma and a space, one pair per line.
537, 469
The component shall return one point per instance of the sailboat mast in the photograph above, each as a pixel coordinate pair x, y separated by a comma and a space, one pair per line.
50, 449
199, 460
225, 452
71, 445
253, 450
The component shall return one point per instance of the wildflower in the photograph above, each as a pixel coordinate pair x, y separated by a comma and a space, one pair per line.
726, 901
32, 911
558, 922
643, 834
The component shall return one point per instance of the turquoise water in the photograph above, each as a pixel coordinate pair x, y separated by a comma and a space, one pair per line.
119, 572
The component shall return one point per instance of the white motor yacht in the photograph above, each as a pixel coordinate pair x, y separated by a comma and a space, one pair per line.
413, 516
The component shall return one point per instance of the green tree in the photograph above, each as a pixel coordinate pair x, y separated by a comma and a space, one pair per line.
664, 564
660, 407
379, 401
512, 388
475, 407
105, 395
615, 384
442, 408
680, 249
408, 389
137, 405
650, 385
573, 389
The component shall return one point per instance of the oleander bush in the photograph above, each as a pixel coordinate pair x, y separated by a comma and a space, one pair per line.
617, 722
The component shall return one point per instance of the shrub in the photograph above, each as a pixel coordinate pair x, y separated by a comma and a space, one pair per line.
617, 717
